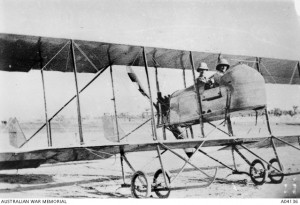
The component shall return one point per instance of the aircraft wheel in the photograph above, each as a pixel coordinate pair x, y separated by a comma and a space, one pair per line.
159, 182
257, 172
140, 186
275, 179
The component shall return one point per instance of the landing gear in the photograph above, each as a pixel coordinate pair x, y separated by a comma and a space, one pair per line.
140, 186
279, 175
257, 172
158, 182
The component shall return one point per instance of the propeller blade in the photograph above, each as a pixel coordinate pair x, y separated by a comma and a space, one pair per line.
133, 77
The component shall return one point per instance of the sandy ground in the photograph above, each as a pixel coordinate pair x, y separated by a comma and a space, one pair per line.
102, 178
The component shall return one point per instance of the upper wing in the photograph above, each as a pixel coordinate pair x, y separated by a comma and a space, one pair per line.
23, 53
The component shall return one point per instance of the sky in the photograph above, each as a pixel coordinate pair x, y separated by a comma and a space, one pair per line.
260, 28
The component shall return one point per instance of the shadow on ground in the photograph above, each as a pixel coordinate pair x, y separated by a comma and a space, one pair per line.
42, 182
26, 179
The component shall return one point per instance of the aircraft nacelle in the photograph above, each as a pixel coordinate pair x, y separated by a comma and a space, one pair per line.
241, 89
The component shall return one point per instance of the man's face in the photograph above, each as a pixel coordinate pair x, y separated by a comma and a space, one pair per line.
201, 72
223, 68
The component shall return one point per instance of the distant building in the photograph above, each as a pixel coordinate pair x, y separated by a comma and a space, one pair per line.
147, 114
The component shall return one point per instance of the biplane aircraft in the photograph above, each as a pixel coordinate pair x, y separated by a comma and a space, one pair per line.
241, 89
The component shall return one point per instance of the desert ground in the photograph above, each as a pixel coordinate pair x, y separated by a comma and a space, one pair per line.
103, 179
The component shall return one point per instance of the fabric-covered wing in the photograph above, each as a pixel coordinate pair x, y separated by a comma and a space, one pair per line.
32, 159
23, 53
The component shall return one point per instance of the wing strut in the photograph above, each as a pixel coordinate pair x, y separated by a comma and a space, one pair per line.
198, 95
46, 113
77, 93
44, 92
298, 66
184, 79
150, 95
116, 119
184, 84
257, 62
114, 100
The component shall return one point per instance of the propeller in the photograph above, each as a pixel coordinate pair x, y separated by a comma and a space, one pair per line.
133, 77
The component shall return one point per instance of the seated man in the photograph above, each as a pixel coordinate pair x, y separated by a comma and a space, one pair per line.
202, 78
221, 68
202, 68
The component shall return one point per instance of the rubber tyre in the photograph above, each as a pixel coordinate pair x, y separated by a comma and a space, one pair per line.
140, 186
161, 194
262, 172
277, 179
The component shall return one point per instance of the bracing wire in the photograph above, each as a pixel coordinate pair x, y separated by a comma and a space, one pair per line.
55, 56
137, 55
97, 151
68, 57
268, 72
292, 77
135, 129
88, 59
94, 152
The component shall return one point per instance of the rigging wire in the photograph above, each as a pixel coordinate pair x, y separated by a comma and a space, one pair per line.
68, 57
268, 72
55, 55
88, 59
135, 129
97, 151
292, 77
93, 152
137, 55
